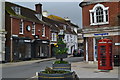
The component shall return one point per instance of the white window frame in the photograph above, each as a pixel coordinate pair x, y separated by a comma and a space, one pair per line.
21, 26
33, 28
43, 31
54, 36
17, 9
94, 12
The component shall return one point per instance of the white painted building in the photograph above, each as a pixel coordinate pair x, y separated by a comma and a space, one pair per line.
2, 30
71, 42
71, 37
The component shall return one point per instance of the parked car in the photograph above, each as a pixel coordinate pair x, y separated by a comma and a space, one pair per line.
78, 53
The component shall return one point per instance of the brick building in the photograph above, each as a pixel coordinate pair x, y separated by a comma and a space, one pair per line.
100, 20
27, 35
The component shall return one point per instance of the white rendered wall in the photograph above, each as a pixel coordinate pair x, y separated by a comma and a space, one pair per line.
71, 43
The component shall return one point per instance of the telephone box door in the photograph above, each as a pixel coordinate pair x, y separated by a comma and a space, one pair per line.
105, 54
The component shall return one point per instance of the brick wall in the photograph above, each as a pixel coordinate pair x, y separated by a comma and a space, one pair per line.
15, 29
90, 49
115, 48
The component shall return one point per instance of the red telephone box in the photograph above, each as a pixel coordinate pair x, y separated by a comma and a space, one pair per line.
105, 54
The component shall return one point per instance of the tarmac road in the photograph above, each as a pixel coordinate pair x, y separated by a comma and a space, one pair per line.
29, 70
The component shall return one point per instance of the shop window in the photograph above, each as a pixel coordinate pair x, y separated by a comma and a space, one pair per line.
99, 15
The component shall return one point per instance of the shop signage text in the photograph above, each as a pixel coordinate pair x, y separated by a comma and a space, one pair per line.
98, 34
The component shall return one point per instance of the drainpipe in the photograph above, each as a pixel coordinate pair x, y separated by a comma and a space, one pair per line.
11, 44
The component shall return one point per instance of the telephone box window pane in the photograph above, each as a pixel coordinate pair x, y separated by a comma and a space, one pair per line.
102, 49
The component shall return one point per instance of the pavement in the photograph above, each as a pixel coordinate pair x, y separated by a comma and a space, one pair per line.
83, 69
90, 70
10, 64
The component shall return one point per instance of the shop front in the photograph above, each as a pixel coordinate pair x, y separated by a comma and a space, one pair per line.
21, 49
91, 44
40, 48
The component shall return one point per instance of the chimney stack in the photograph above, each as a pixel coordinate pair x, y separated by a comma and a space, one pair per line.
38, 8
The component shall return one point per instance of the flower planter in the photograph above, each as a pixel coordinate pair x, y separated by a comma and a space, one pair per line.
58, 56
61, 66
65, 76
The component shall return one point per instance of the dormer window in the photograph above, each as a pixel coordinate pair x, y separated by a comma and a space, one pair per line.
99, 15
17, 10
39, 16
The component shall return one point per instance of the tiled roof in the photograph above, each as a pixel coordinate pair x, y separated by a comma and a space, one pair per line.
26, 13
62, 22
54, 24
56, 18
69, 31
71, 24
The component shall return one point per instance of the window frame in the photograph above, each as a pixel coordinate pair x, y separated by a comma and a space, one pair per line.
93, 11
54, 36
21, 26
43, 31
33, 28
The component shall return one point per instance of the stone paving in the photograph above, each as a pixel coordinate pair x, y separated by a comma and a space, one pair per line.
90, 70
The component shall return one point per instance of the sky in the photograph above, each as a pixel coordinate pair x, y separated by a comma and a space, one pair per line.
59, 8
